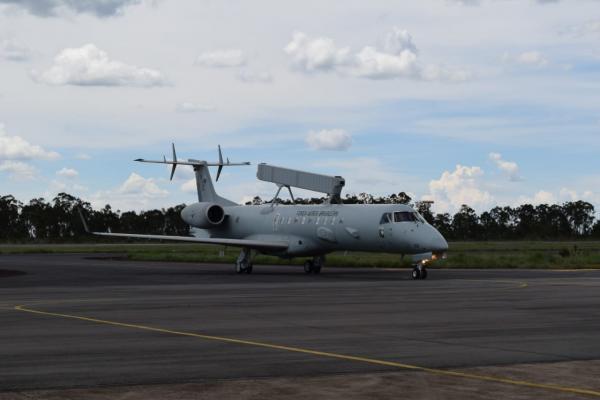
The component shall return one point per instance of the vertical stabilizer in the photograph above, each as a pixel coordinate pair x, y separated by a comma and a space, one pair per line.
206, 190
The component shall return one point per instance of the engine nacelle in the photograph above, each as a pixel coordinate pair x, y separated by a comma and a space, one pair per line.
203, 215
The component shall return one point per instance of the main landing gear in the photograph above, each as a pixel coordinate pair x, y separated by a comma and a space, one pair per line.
419, 271
244, 262
314, 266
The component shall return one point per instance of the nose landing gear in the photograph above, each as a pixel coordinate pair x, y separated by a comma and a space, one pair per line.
419, 272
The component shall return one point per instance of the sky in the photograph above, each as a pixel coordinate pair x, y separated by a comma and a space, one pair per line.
478, 102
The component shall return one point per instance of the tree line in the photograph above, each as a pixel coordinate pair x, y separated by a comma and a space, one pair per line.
57, 220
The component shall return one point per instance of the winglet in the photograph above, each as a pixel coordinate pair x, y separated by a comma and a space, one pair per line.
85, 225
220, 163
174, 162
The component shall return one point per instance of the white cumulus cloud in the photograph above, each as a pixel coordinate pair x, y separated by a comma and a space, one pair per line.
90, 66
510, 168
222, 58
69, 173
136, 192
462, 186
318, 54
329, 139
397, 58
17, 148
18, 170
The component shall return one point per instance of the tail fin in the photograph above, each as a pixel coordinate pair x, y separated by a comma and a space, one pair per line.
204, 183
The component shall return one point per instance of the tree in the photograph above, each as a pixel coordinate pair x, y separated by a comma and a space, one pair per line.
424, 208
465, 224
11, 227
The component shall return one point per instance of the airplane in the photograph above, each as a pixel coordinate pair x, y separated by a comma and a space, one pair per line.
295, 230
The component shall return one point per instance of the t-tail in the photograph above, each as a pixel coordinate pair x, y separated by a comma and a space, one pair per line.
204, 183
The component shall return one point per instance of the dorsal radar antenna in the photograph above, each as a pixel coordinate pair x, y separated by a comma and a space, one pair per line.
194, 163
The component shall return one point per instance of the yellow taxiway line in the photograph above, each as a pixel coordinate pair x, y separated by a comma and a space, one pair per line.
435, 371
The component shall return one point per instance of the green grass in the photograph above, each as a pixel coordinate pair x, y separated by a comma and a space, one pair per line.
525, 254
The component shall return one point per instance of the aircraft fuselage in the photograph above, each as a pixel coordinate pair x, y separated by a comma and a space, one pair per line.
319, 229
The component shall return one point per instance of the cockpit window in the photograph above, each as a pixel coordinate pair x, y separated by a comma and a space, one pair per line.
386, 218
407, 216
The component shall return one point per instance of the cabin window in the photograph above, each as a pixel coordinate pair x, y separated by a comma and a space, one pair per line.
405, 216
303, 220
386, 218
318, 220
332, 220
289, 220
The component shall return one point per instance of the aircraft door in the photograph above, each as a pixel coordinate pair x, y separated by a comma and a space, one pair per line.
385, 231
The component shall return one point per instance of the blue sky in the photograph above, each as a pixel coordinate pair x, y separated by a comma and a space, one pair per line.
484, 102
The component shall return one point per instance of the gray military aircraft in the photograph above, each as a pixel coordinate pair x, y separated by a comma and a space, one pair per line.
295, 230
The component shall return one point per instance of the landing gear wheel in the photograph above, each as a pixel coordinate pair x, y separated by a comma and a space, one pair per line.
240, 267
416, 273
308, 267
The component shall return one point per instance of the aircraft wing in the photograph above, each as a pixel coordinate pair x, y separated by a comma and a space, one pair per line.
253, 244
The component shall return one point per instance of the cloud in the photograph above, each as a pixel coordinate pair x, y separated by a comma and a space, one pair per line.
531, 58
329, 139
13, 51
136, 192
398, 58
69, 173
534, 58
255, 77
510, 168
461, 186
189, 186
83, 156
319, 54
17, 148
222, 58
187, 107
590, 27
541, 197
18, 170
52, 8
90, 66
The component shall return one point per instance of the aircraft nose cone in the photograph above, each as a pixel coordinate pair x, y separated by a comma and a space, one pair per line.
438, 243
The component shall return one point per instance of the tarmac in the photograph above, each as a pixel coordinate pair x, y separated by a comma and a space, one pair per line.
100, 326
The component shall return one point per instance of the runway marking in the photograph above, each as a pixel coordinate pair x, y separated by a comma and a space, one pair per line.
434, 371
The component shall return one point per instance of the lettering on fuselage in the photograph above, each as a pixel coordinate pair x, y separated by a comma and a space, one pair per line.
316, 213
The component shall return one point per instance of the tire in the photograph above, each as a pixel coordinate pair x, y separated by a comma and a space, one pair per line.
241, 267
308, 267
424, 273
416, 274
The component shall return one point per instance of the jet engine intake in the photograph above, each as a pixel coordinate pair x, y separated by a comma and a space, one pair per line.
203, 215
